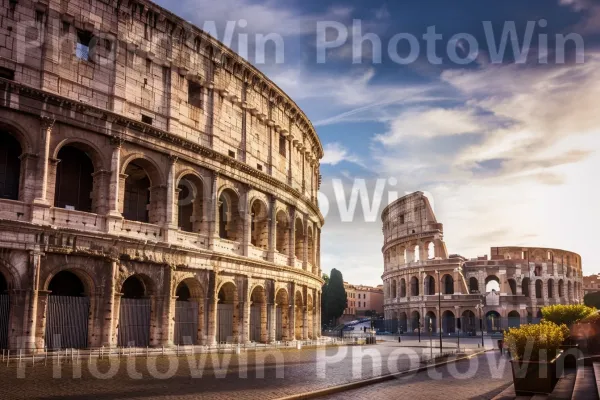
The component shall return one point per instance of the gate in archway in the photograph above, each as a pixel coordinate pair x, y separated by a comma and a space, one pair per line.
67, 322
279, 323
186, 322
4, 315
134, 322
255, 323
225, 322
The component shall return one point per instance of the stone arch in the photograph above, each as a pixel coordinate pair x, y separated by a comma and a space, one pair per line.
415, 321
311, 246
259, 226
525, 287
19, 132
91, 149
514, 319
430, 322
402, 287
448, 322
151, 167
492, 283
539, 289
414, 286
282, 234
258, 314
11, 275
429, 285
230, 221
75, 178
190, 201
89, 284
561, 289
227, 314
394, 293
493, 321
143, 200
136, 310
300, 238
468, 322
431, 250
11, 180
403, 321
550, 285
473, 285
448, 284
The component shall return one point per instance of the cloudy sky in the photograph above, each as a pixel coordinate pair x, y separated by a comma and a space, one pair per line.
503, 139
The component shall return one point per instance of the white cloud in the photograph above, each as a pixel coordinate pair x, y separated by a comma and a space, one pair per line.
336, 153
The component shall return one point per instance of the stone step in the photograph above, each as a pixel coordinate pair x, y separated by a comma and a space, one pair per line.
564, 388
596, 367
585, 385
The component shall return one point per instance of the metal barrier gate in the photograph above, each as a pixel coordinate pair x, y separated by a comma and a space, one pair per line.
279, 323
134, 323
225, 322
4, 319
255, 327
67, 322
186, 322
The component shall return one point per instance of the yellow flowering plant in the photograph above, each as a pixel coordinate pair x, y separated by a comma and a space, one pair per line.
535, 342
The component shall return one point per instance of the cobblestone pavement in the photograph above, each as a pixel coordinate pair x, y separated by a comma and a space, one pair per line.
225, 376
483, 377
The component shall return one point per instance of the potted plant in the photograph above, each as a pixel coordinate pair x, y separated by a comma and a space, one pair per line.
587, 333
535, 349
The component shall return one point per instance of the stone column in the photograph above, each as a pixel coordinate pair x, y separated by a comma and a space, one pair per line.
245, 305
115, 179
211, 337
238, 315
290, 164
264, 328
272, 310
305, 244
31, 341
292, 314
292, 242
46, 125
304, 322
213, 225
272, 230
246, 221
108, 328
171, 200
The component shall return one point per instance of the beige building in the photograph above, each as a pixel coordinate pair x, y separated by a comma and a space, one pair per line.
362, 298
155, 188
591, 284
509, 287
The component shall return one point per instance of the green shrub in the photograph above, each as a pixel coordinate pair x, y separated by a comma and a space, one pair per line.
530, 342
566, 314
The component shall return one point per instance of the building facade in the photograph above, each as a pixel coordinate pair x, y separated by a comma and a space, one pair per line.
155, 188
424, 286
362, 298
591, 284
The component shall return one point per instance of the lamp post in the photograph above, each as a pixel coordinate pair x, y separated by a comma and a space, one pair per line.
439, 308
480, 308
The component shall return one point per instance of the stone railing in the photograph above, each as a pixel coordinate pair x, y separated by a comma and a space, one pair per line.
257, 252
281, 258
298, 263
13, 210
191, 239
72, 219
227, 246
140, 230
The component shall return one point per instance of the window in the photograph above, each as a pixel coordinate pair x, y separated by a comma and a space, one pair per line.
148, 66
194, 94
231, 153
6, 73
282, 145
65, 27
82, 51
402, 219
146, 119
259, 167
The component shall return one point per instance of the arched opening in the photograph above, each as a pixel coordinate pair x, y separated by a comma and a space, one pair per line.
429, 285
190, 203
259, 226
74, 180
258, 315
514, 319
394, 288
403, 322
430, 322
309, 317
539, 289
282, 315
136, 198
10, 166
4, 312
569, 291
230, 226
448, 322
473, 285
415, 321
226, 315
282, 236
493, 322
414, 286
492, 284
513, 286
469, 323
416, 254
134, 313
561, 289
299, 236
402, 287
525, 287
550, 288
299, 314
431, 251
68, 312
448, 284
311, 247
189, 315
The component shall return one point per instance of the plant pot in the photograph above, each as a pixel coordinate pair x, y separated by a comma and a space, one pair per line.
533, 377
570, 355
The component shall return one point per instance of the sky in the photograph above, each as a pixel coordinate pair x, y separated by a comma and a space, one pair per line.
488, 107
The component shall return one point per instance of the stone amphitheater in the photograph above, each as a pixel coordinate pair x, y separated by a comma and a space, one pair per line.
155, 188
425, 287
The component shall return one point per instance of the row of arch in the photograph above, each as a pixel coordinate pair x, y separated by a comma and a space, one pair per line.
400, 289
77, 183
411, 253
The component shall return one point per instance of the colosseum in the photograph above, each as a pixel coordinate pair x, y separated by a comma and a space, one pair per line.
424, 287
155, 188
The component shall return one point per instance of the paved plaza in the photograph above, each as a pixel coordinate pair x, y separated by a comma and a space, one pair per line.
224, 376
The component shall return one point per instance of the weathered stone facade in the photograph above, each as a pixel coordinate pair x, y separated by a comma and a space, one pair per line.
417, 267
136, 145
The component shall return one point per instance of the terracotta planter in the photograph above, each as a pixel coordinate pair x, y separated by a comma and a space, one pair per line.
570, 356
533, 377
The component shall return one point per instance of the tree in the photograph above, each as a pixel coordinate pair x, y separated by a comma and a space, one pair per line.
334, 300
592, 299
324, 313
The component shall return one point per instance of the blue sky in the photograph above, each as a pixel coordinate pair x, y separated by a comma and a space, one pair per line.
505, 145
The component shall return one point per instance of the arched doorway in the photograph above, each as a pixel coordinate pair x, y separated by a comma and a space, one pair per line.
561, 289
448, 322
310, 245
68, 313
135, 313
136, 198
281, 315
539, 292
493, 322
414, 286
525, 287
514, 319
430, 322
4, 312
402, 288
299, 237
448, 284
282, 236
473, 285
415, 321
189, 315
226, 318
550, 288
190, 203
230, 226
74, 180
394, 294
259, 331
10, 166
492, 284
513, 286
259, 227
403, 322
299, 315
429, 285
469, 323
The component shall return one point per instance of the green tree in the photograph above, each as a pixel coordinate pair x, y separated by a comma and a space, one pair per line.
592, 299
335, 302
324, 308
